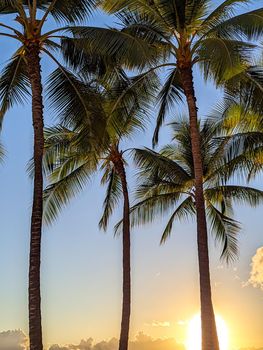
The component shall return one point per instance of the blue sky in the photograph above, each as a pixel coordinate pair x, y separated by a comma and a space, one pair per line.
81, 266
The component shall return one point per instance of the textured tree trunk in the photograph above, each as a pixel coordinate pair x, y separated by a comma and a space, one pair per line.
209, 332
34, 297
126, 301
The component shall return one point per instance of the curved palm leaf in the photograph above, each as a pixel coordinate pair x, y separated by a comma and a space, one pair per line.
113, 195
69, 10
14, 84
225, 230
71, 179
249, 25
132, 51
170, 95
183, 211
2, 153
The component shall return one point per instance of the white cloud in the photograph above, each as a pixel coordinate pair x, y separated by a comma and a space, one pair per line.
13, 340
145, 342
256, 273
17, 340
83, 345
142, 342
158, 324
161, 324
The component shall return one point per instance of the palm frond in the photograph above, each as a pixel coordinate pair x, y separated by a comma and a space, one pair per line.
153, 162
170, 95
69, 10
183, 211
225, 230
113, 194
248, 25
221, 13
76, 104
237, 194
150, 208
222, 59
58, 194
14, 84
10, 6
131, 50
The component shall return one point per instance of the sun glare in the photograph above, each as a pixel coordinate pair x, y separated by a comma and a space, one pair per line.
194, 333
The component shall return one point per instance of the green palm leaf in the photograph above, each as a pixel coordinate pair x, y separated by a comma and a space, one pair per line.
249, 25
239, 194
14, 84
70, 10
232, 56
59, 194
183, 211
225, 230
132, 51
76, 103
170, 95
154, 162
113, 195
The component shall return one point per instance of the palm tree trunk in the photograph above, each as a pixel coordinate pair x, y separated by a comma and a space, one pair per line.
209, 332
126, 301
34, 297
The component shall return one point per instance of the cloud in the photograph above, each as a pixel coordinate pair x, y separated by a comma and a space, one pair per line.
145, 342
158, 324
256, 273
83, 345
13, 340
141, 342
251, 349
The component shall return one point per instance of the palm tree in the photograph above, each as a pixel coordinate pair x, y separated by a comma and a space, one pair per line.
182, 34
167, 185
21, 75
72, 156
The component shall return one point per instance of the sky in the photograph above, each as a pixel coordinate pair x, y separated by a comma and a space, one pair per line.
81, 266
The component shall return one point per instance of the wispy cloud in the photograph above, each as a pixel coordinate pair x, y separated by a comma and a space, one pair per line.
158, 324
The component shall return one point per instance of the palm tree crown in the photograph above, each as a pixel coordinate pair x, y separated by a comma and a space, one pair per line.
187, 33
167, 185
28, 30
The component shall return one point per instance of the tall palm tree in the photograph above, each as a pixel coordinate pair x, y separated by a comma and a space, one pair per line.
21, 75
184, 33
72, 156
167, 185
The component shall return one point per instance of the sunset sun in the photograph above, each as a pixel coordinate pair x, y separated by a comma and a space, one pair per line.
194, 333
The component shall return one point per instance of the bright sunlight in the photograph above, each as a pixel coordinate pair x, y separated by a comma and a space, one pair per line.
194, 333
